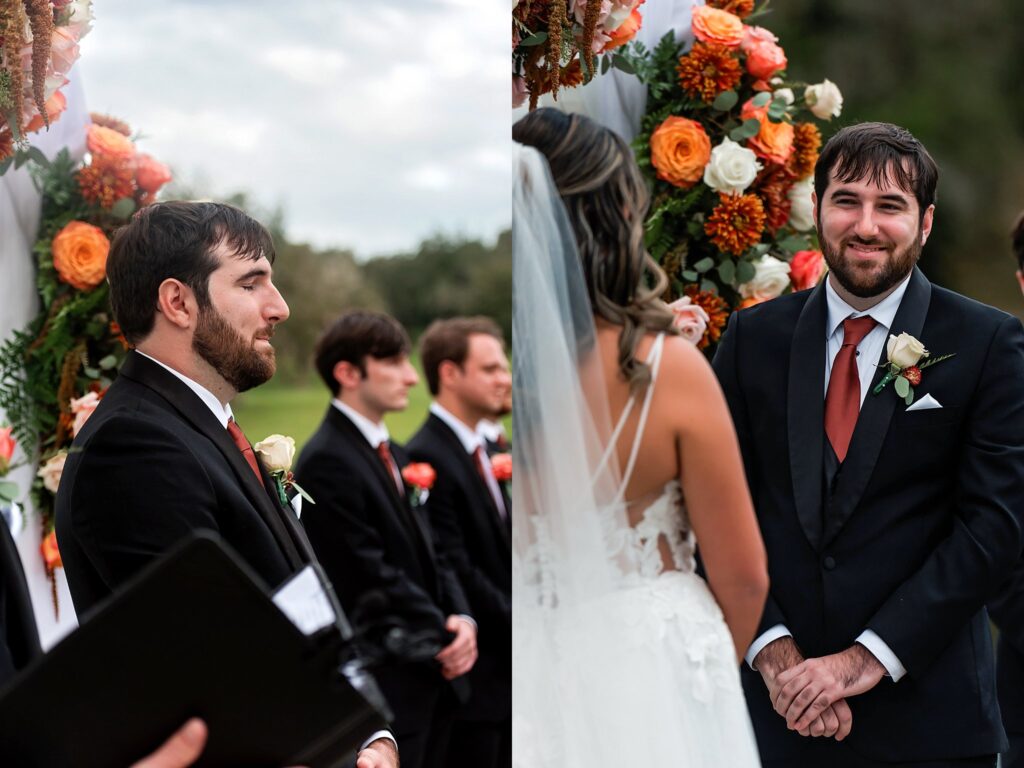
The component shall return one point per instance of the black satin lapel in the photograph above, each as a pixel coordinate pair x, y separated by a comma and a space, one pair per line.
196, 413
805, 413
875, 413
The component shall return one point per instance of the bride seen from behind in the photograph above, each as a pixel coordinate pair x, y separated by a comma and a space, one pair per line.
625, 453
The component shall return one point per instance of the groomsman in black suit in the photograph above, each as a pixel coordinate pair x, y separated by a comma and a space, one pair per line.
370, 531
19, 638
1007, 611
191, 288
467, 372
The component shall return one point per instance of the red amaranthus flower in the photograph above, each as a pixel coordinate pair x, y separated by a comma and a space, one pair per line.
708, 70
736, 223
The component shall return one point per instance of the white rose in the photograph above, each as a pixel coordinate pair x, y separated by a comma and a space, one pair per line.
824, 100
52, 470
731, 169
81, 17
801, 210
770, 279
904, 350
277, 452
786, 94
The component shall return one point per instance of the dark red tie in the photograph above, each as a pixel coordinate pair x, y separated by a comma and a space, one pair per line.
478, 459
502, 442
243, 445
384, 451
842, 400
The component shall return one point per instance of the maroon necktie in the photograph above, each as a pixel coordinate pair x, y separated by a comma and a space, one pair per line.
478, 459
243, 445
842, 400
384, 451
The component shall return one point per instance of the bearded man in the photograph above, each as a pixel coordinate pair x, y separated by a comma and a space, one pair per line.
191, 288
888, 481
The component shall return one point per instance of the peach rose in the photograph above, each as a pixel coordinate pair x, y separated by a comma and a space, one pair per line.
625, 32
82, 409
109, 143
50, 552
764, 59
7, 445
710, 25
52, 470
419, 475
55, 105
691, 320
680, 149
63, 50
80, 255
806, 269
501, 464
150, 174
774, 142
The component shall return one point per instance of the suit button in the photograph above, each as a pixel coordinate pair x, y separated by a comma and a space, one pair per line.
829, 562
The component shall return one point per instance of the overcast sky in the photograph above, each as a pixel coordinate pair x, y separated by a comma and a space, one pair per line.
373, 124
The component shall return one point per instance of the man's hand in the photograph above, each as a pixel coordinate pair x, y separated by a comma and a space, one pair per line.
378, 754
812, 686
781, 655
181, 750
459, 656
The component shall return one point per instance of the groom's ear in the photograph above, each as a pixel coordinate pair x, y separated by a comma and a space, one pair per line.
177, 303
926, 223
814, 209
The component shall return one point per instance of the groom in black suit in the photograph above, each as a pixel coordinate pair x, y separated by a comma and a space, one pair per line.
370, 532
467, 373
190, 286
887, 525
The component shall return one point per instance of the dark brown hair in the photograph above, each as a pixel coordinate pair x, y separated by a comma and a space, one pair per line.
449, 340
606, 198
355, 336
883, 153
175, 240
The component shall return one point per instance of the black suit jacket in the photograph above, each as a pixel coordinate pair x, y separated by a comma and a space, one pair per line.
151, 466
19, 638
1007, 611
370, 539
473, 538
921, 528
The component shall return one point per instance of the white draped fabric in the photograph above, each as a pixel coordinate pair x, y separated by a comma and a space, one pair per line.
19, 221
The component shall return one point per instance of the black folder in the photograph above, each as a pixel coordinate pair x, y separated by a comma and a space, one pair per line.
193, 635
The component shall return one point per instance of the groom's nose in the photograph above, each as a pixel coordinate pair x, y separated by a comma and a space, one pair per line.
866, 226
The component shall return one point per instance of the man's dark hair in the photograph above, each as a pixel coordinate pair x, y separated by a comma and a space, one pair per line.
449, 340
1018, 241
355, 336
881, 152
175, 240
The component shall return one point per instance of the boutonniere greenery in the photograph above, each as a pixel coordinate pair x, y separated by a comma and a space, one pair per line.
419, 477
904, 354
277, 453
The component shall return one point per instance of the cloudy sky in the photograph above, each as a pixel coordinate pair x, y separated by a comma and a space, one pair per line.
373, 124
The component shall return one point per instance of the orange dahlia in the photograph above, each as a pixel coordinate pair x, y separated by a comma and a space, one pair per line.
108, 143
772, 186
104, 183
718, 313
806, 143
708, 70
736, 223
741, 8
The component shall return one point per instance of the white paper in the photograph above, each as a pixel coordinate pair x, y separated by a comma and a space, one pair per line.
303, 600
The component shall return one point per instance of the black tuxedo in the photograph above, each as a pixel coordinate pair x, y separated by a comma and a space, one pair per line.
370, 539
1008, 613
152, 465
477, 542
920, 528
19, 638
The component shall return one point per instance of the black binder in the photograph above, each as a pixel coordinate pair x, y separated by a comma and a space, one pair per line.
192, 635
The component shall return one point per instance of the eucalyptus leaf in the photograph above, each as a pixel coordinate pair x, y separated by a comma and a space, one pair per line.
726, 100
689, 274
704, 264
792, 244
727, 271
623, 64
92, 373
535, 39
123, 208
745, 272
709, 286
762, 98
606, 63
909, 399
748, 129
902, 386
8, 492
108, 362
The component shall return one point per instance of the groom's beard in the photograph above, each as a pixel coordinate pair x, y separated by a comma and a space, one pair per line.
861, 283
234, 358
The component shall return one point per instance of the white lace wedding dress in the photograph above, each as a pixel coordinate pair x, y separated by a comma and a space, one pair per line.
642, 674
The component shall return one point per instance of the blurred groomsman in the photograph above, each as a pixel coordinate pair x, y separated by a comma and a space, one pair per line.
492, 430
1007, 611
369, 533
467, 372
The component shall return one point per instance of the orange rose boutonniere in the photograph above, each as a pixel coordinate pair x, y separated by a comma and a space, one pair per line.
501, 463
420, 477
50, 552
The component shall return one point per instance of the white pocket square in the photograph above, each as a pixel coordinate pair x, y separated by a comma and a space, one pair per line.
924, 404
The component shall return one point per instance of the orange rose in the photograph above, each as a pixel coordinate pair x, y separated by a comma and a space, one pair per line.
764, 59
806, 269
774, 142
51, 555
54, 106
626, 31
150, 174
714, 26
679, 151
501, 463
6, 449
109, 143
420, 475
80, 255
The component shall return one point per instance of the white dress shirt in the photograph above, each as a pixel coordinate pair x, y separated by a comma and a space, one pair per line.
470, 442
375, 433
868, 352
490, 430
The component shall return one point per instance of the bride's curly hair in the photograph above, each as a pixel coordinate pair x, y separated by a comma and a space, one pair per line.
606, 198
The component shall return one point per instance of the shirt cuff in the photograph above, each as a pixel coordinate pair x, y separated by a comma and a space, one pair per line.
379, 735
468, 618
769, 635
883, 653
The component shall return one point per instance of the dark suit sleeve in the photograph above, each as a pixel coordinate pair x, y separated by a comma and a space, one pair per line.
1007, 608
726, 366
967, 567
341, 529
138, 490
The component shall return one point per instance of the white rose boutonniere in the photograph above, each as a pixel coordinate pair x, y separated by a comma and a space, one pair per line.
904, 354
277, 453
